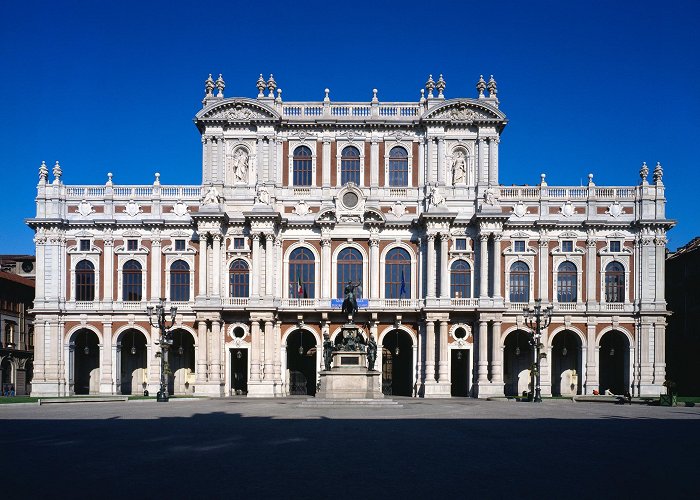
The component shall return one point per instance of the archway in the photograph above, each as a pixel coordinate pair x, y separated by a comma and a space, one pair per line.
566, 364
85, 362
613, 359
181, 370
397, 364
239, 364
517, 360
301, 363
131, 360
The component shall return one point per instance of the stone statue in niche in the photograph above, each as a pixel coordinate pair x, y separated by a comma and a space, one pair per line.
240, 166
459, 168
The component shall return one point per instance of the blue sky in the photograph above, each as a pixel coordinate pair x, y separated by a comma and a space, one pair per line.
590, 86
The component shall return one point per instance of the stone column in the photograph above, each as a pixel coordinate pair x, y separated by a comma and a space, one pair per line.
480, 174
255, 351
660, 265
201, 352
431, 265
215, 353
374, 269
108, 266
441, 161
278, 358
326, 173
659, 353
155, 271
483, 366
493, 161
106, 382
591, 288
497, 359
443, 375
543, 257
254, 279
325, 267
497, 271
483, 266
374, 164
591, 359
269, 351
202, 264
420, 164
269, 263
429, 352
216, 266
444, 270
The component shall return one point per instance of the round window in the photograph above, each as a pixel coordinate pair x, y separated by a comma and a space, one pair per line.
460, 333
238, 332
350, 199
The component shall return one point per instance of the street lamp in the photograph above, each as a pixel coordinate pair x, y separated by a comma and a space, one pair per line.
165, 341
537, 318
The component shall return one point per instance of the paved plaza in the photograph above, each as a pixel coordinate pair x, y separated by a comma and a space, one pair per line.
238, 448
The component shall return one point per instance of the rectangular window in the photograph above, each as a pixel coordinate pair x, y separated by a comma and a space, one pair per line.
614, 246
84, 245
179, 245
460, 244
567, 246
519, 246
238, 243
132, 245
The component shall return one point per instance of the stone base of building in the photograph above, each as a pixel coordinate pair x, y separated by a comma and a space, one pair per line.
48, 389
262, 389
107, 388
212, 389
490, 390
650, 390
433, 389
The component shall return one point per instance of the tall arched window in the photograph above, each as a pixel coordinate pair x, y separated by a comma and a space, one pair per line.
519, 282
180, 281
398, 167
350, 166
132, 290
85, 281
566, 282
302, 273
238, 278
397, 274
614, 282
460, 280
301, 167
349, 268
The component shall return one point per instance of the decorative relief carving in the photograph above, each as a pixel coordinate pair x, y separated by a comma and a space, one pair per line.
132, 208
520, 210
490, 197
180, 209
614, 210
567, 209
211, 197
435, 197
301, 208
459, 167
461, 113
85, 208
398, 209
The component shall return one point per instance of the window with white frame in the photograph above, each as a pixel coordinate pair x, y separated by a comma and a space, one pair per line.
84, 245
179, 245
567, 246
615, 246
460, 244
132, 245
519, 246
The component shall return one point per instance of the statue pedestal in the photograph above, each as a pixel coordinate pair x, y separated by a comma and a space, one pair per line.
350, 379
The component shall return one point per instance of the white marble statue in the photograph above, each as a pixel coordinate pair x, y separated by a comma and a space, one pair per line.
240, 166
459, 168
212, 197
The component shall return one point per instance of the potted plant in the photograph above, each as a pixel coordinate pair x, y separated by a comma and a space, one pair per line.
670, 398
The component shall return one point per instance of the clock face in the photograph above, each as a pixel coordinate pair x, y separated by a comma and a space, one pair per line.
27, 267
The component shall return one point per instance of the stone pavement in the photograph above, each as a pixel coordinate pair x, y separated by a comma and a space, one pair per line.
236, 447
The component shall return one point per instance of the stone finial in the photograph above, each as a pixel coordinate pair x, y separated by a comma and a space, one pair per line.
271, 86
279, 95
643, 173
220, 85
43, 172
57, 173
440, 86
430, 85
658, 173
208, 86
327, 98
109, 179
374, 95
590, 180
156, 182
493, 90
542, 181
481, 86
261, 86
422, 96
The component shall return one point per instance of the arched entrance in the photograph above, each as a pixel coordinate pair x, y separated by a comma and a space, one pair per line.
131, 360
301, 363
566, 364
84, 361
181, 371
517, 360
613, 359
397, 364
239, 364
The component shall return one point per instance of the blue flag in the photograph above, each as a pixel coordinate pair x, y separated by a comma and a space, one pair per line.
403, 285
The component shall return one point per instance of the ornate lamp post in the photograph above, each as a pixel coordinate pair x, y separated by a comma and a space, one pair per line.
537, 318
165, 341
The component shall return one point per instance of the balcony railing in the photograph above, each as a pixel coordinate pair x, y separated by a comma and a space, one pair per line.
534, 193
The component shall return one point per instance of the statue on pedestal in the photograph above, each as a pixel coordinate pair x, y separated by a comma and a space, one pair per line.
350, 301
327, 351
371, 353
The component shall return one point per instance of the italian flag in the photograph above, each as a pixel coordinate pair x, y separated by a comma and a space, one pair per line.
300, 287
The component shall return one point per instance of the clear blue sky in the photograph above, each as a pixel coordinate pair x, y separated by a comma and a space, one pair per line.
594, 86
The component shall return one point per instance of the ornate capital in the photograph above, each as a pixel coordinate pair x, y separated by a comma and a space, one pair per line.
484, 236
430, 237
374, 242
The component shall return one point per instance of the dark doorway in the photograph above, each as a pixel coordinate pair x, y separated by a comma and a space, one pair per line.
614, 363
239, 372
301, 363
85, 354
397, 364
566, 361
460, 372
517, 360
181, 363
131, 349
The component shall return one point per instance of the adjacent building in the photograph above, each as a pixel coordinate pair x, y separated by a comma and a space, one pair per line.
16, 329
404, 200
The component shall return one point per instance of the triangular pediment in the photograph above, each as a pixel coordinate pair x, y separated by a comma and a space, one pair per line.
465, 111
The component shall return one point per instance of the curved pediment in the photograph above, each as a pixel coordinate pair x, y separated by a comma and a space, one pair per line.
466, 111
237, 110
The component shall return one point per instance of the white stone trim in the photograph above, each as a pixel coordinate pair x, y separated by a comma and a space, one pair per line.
341, 144
293, 145
471, 274
334, 267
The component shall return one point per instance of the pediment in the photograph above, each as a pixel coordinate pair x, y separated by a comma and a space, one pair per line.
237, 110
465, 111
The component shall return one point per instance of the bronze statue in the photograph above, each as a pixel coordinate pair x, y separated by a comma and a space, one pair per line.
327, 351
350, 301
371, 353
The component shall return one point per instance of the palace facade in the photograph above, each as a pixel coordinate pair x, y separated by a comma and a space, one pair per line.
298, 199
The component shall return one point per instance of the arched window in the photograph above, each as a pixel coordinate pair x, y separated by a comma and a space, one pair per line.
460, 280
302, 273
397, 274
238, 278
519, 282
614, 282
301, 166
566, 282
398, 167
350, 166
180, 281
85, 281
131, 282
349, 269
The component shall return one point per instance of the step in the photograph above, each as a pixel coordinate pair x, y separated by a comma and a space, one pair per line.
86, 399
365, 403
